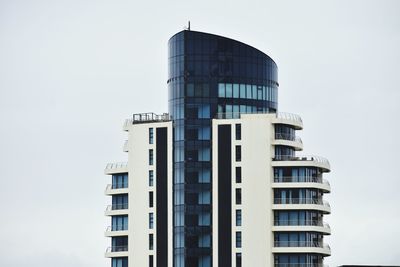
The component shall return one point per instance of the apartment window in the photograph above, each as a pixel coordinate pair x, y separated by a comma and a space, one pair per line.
238, 239
151, 135
151, 261
151, 157
238, 259
151, 220
151, 241
119, 223
120, 181
238, 153
151, 202
238, 217
238, 131
119, 262
238, 175
238, 196
151, 178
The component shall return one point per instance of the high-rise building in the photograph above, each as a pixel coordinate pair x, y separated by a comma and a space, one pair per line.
217, 181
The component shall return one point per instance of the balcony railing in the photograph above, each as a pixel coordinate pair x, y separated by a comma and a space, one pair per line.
117, 249
291, 179
314, 201
299, 265
302, 158
117, 186
314, 244
289, 116
122, 206
147, 117
114, 228
116, 165
300, 223
289, 137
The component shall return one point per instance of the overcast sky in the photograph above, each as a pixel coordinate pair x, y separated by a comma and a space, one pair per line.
72, 71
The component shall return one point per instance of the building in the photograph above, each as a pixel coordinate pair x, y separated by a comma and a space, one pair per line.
217, 181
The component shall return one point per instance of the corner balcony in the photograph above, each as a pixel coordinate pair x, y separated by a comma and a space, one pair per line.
301, 226
116, 189
301, 161
301, 182
301, 204
285, 139
301, 247
116, 231
116, 167
289, 119
116, 251
116, 209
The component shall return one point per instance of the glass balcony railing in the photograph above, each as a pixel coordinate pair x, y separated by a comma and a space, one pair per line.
122, 206
299, 265
117, 227
314, 244
315, 201
288, 137
117, 249
298, 179
300, 223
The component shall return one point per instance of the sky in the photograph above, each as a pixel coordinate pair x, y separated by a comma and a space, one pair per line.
72, 71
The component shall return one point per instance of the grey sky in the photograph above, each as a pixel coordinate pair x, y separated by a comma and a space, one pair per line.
72, 71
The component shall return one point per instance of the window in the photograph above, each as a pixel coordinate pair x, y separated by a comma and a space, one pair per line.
119, 262
151, 241
238, 175
120, 201
119, 223
151, 135
151, 261
151, 220
238, 131
151, 157
238, 239
238, 259
151, 202
151, 178
238, 153
120, 181
238, 217
238, 196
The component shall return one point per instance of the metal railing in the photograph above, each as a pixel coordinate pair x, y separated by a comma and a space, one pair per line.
117, 249
147, 117
117, 186
315, 201
289, 116
304, 179
125, 147
317, 159
122, 206
117, 228
299, 265
298, 223
116, 165
288, 137
315, 244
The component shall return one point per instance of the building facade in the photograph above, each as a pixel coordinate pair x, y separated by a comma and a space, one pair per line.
217, 181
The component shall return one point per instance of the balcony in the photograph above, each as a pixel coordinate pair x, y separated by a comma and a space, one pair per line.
301, 247
125, 148
146, 118
114, 189
301, 182
301, 161
286, 139
116, 167
117, 209
301, 226
117, 251
117, 230
301, 204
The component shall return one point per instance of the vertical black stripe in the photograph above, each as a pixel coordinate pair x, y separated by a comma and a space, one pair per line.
224, 196
162, 200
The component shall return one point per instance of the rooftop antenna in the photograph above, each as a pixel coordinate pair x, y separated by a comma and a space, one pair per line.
189, 25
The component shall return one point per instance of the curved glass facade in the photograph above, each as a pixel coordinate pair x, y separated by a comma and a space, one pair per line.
209, 76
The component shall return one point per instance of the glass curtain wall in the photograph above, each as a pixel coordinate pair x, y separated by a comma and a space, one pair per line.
209, 76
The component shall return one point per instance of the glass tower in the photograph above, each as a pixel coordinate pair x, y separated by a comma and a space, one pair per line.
209, 77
